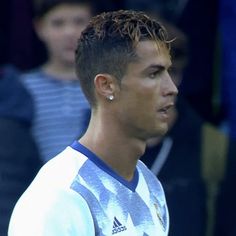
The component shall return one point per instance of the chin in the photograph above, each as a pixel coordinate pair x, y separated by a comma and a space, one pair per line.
68, 57
160, 132
163, 130
69, 62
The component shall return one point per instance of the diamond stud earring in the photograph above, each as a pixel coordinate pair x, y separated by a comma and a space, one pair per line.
110, 97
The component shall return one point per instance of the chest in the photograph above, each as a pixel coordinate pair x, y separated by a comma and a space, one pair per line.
116, 210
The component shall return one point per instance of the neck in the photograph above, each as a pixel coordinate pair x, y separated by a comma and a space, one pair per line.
60, 70
117, 150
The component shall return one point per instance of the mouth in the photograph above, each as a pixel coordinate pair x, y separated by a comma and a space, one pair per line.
164, 111
70, 48
166, 108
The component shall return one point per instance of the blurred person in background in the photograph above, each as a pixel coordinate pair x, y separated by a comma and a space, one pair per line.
19, 159
61, 108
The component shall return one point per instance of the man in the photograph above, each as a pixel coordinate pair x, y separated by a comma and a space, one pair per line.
98, 186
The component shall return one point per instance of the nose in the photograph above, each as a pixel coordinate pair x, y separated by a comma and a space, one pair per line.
169, 87
70, 29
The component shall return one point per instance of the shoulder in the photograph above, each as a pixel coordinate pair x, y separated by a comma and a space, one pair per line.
49, 206
34, 73
65, 212
32, 78
146, 172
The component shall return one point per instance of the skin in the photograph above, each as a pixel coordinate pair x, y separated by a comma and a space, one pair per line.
177, 69
60, 29
119, 129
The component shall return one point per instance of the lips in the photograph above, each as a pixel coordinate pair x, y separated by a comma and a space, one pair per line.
166, 108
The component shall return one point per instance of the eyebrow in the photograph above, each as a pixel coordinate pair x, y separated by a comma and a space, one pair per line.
153, 67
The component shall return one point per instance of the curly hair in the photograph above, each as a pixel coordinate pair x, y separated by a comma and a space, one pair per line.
107, 45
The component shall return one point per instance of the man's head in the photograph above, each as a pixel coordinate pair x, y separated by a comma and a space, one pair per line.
109, 42
59, 23
122, 61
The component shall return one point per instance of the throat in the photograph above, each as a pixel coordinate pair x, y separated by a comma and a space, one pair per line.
121, 153
122, 158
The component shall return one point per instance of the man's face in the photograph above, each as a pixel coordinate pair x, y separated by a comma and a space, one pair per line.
60, 29
147, 92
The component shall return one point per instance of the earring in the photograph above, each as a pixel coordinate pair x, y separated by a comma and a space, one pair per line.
110, 97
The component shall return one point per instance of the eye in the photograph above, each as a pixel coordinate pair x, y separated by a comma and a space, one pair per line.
154, 74
80, 21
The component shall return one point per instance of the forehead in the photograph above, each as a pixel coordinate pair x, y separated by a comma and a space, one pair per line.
68, 9
153, 52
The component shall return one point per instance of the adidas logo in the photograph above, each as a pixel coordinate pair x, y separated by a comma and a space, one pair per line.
117, 227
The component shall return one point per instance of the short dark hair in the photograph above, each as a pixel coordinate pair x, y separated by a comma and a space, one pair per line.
42, 7
107, 45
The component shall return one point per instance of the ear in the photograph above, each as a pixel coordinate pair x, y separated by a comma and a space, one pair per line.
105, 85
